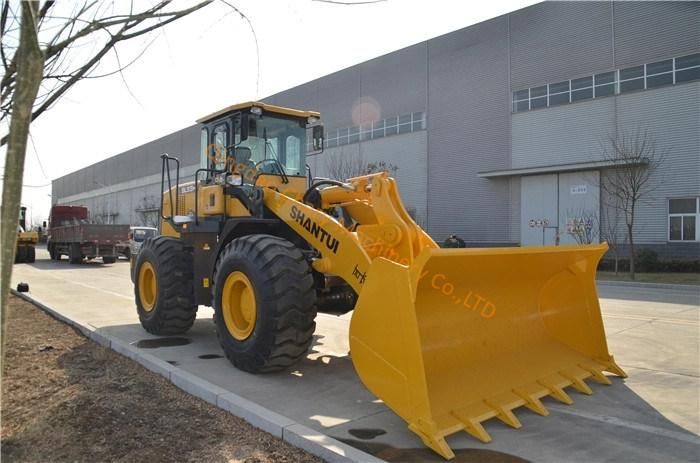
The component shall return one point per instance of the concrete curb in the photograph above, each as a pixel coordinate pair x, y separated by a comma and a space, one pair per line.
640, 284
297, 435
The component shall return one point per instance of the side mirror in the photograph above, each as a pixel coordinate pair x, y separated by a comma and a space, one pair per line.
317, 137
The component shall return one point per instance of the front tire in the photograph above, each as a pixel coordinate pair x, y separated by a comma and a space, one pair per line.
163, 286
264, 303
76, 254
20, 255
31, 255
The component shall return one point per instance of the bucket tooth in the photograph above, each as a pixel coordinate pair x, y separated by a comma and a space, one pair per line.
431, 437
596, 372
472, 416
556, 386
613, 368
576, 378
532, 402
503, 405
506, 415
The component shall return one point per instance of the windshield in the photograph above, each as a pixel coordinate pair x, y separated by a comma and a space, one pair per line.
140, 234
280, 139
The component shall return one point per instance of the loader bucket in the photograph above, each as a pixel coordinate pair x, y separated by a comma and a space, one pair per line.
464, 335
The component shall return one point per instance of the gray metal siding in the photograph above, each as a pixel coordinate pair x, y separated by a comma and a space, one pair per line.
671, 116
336, 95
649, 31
554, 41
408, 153
396, 82
563, 134
464, 82
138, 162
514, 185
304, 96
468, 132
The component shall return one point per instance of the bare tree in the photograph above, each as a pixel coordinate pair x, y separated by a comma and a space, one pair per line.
27, 80
635, 158
342, 166
65, 60
582, 225
610, 231
40, 48
148, 211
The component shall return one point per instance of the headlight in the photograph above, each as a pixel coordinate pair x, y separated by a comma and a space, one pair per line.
312, 120
255, 110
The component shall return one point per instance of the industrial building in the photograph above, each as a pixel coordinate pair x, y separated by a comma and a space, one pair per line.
497, 130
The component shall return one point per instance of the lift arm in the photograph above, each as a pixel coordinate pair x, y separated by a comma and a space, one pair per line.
382, 229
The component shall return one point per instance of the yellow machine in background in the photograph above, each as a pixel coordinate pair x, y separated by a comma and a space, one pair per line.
26, 240
447, 338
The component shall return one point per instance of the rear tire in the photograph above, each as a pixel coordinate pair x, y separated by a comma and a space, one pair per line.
52, 251
277, 279
108, 260
20, 255
163, 286
75, 257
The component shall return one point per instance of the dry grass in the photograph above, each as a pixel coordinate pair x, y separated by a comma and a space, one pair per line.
65, 398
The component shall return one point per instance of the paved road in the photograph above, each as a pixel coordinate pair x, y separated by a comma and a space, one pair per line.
654, 415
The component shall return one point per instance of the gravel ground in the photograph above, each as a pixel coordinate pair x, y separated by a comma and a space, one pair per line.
65, 398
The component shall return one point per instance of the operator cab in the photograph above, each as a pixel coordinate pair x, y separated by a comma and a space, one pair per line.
242, 143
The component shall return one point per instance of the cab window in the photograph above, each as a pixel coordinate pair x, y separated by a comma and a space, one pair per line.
293, 155
217, 148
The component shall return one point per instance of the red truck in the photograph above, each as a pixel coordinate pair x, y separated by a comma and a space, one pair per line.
70, 234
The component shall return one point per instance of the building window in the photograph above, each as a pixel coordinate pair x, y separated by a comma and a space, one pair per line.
605, 84
521, 100
559, 93
683, 217
632, 79
392, 126
418, 121
659, 73
688, 68
538, 97
405, 123
582, 89
354, 134
641, 77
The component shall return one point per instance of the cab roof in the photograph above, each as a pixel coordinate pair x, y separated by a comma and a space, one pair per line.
264, 106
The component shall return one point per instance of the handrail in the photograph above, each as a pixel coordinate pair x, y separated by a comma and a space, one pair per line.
165, 167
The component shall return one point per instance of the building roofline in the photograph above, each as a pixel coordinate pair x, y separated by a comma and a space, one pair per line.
560, 168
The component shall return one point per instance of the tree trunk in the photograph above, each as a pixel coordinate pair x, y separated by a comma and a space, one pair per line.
632, 255
30, 69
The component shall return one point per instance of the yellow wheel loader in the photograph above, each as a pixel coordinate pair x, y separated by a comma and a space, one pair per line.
26, 240
447, 338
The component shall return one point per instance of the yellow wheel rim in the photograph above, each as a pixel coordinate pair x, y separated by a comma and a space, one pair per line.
238, 305
148, 286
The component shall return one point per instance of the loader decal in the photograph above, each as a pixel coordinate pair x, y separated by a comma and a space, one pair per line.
360, 275
315, 229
